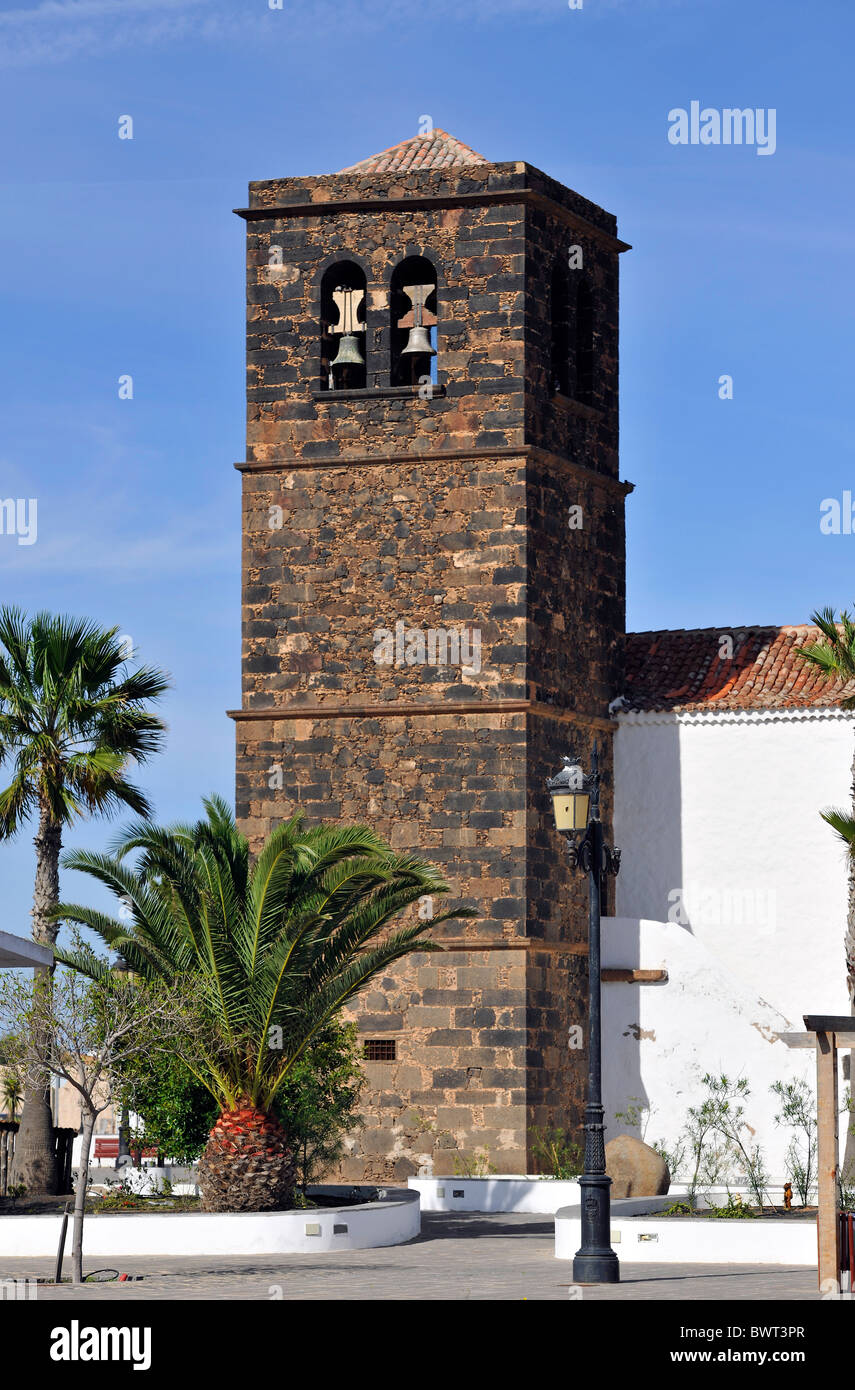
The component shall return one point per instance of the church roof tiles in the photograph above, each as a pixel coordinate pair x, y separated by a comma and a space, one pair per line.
694, 670
434, 150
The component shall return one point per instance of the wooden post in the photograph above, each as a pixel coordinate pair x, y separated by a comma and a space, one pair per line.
828, 1237
829, 1032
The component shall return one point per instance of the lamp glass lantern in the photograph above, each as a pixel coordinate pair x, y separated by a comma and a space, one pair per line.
571, 800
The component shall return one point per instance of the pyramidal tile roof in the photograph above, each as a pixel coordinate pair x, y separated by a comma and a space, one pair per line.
690, 670
434, 150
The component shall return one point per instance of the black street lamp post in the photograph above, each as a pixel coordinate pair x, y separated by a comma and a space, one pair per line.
576, 805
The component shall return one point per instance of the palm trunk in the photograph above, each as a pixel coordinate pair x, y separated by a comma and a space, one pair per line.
35, 1161
248, 1164
80, 1196
848, 1167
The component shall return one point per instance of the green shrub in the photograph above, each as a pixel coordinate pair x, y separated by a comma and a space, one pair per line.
733, 1209
555, 1153
476, 1166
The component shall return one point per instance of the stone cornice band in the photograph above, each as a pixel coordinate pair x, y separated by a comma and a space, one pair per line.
389, 709
292, 462
506, 196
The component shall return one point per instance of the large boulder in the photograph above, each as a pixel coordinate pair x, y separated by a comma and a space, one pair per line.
635, 1169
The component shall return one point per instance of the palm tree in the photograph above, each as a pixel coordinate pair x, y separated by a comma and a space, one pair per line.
72, 718
12, 1094
277, 948
835, 655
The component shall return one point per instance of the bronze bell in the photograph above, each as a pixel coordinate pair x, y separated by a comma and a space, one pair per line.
418, 341
347, 301
348, 353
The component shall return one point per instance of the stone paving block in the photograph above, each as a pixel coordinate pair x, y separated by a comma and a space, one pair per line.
458, 1258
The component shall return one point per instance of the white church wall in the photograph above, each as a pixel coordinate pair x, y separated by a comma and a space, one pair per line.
660, 1039
717, 818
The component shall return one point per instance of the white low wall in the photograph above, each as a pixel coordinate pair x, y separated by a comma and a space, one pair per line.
391, 1221
640, 1239
499, 1193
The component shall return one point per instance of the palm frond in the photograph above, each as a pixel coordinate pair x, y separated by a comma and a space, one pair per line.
843, 823
286, 944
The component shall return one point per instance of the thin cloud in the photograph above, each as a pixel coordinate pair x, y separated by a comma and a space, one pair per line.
88, 547
67, 11
102, 528
58, 31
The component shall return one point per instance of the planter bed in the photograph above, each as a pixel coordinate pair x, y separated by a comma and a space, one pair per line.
499, 1192
641, 1234
390, 1219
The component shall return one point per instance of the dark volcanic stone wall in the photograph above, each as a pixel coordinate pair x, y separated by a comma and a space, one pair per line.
364, 510
479, 255
436, 544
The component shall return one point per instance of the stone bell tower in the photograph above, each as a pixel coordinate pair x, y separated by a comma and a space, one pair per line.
433, 598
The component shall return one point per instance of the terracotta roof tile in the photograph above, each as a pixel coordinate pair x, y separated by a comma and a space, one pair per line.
434, 150
683, 670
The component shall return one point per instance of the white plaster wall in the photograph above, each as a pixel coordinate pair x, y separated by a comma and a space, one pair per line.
660, 1039
728, 805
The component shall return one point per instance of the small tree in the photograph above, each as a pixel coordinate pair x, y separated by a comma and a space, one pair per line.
707, 1164
12, 1094
728, 1119
713, 1139
713, 1136
74, 721
798, 1110
89, 1033
172, 1111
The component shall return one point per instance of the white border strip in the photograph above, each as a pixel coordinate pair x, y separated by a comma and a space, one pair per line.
786, 714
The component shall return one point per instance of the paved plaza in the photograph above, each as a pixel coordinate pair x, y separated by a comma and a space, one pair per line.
479, 1257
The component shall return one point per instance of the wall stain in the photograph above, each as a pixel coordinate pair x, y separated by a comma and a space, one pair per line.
640, 1034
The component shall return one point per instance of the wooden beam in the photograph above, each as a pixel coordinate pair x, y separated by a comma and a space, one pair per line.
829, 1023
827, 1154
617, 975
845, 1040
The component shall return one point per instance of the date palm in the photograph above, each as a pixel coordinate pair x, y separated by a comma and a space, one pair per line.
72, 720
12, 1094
278, 947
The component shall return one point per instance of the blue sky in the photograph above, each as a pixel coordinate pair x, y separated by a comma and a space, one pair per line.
122, 257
